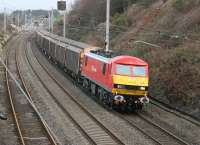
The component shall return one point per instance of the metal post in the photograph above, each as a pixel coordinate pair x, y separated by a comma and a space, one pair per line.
64, 25
108, 25
52, 20
49, 22
24, 18
31, 18
18, 20
5, 19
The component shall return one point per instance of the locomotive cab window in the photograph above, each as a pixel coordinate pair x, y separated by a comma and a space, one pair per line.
104, 69
139, 71
123, 70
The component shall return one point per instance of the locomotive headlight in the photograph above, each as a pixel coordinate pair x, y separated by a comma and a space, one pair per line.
120, 86
142, 88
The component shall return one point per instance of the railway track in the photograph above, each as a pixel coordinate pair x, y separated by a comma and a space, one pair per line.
27, 118
91, 128
176, 112
8, 131
152, 130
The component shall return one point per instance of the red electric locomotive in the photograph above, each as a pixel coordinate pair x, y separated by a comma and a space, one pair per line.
120, 81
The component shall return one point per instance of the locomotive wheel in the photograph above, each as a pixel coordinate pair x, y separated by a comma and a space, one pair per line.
79, 81
86, 84
140, 106
101, 97
113, 106
130, 107
123, 108
137, 107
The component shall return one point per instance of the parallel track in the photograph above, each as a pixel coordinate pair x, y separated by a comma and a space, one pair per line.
26, 125
153, 130
13, 109
175, 137
175, 111
102, 137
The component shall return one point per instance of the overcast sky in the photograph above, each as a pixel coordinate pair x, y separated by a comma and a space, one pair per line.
30, 4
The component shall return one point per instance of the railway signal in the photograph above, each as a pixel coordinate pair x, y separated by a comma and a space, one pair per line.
61, 4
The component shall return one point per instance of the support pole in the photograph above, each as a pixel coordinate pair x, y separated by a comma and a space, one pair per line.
18, 20
108, 26
24, 18
5, 21
31, 16
52, 21
64, 25
49, 22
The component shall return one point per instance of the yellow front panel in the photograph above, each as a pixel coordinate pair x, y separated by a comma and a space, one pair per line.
129, 92
134, 81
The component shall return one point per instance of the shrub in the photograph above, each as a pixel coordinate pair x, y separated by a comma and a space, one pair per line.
146, 3
184, 5
120, 20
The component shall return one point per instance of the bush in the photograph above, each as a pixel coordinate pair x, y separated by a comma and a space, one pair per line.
146, 3
185, 5
120, 20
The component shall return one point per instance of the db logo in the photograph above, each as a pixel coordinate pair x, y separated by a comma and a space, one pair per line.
94, 69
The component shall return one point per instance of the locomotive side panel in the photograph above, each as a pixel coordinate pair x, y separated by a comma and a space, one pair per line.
98, 72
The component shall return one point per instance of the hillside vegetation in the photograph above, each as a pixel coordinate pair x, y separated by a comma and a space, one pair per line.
172, 25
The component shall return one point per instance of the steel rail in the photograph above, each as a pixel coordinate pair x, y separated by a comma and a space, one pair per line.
61, 106
131, 123
163, 129
12, 103
115, 138
135, 126
50, 134
175, 111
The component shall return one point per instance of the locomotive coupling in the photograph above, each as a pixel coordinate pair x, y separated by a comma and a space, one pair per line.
144, 100
119, 99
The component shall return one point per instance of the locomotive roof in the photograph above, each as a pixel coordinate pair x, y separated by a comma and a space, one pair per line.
99, 57
123, 59
129, 60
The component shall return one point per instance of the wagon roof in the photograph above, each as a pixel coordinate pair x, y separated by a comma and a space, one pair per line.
71, 42
62, 44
